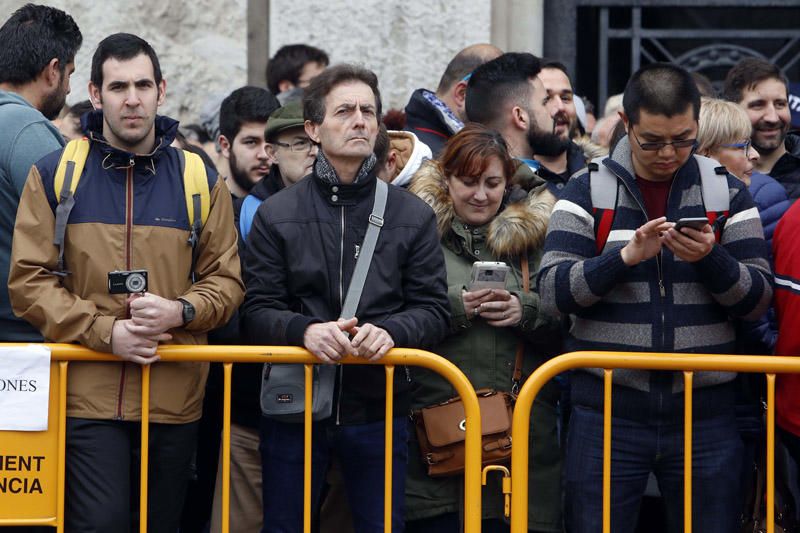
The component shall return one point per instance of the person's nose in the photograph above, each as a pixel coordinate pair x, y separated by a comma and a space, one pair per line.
752, 154
771, 115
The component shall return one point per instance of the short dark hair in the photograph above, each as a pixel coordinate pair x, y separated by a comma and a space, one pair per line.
32, 37
78, 110
288, 63
748, 73
122, 47
382, 145
555, 64
245, 104
314, 96
497, 81
661, 89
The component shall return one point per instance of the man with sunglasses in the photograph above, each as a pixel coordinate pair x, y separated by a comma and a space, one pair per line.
654, 288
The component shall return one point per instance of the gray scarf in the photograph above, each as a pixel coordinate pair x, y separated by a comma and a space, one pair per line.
327, 173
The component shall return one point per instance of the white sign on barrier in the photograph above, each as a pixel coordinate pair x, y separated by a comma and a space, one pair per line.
24, 388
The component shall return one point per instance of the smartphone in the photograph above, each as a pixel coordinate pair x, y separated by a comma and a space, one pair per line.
697, 223
488, 275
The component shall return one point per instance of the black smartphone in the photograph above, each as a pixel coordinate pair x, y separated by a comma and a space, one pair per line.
697, 223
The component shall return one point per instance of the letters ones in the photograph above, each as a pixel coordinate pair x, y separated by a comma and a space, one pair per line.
18, 385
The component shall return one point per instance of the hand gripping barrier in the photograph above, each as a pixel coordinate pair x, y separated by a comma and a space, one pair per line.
52, 514
688, 363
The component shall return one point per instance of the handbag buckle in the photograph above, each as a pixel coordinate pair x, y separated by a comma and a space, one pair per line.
463, 425
508, 445
429, 459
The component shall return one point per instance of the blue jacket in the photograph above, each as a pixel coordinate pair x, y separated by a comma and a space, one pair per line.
663, 304
761, 336
25, 137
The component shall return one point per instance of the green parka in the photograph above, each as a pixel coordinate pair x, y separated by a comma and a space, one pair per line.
485, 353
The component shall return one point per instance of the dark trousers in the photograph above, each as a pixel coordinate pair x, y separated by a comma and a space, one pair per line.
451, 523
360, 451
637, 448
102, 475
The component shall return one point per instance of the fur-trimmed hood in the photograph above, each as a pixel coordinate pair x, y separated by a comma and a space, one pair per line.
520, 225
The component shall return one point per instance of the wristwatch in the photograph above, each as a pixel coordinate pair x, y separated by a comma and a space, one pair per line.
188, 311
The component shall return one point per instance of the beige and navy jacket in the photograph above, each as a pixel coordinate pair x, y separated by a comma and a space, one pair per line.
130, 213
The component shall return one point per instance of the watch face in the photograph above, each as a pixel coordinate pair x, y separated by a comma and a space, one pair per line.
188, 312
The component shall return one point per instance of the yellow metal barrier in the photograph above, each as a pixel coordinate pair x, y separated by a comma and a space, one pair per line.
254, 354
688, 363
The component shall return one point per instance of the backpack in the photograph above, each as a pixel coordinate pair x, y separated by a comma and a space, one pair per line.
68, 174
603, 186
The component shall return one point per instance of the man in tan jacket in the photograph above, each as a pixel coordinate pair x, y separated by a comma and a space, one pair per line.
130, 214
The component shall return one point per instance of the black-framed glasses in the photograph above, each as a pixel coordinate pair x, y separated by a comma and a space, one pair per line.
742, 146
654, 147
303, 145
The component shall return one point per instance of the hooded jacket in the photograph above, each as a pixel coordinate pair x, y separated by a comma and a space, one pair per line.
25, 137
487, 354
411, 153
301, 253
663, 304
431, 120
130, 213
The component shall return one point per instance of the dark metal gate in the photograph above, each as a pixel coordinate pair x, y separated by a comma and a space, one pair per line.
605, 41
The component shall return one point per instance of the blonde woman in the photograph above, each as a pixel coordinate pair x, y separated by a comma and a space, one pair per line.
724, 135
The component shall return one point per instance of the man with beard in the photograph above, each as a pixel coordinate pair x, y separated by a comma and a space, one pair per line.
560, 103
762, 90
435, 116
243, 117
37, 52
506, 94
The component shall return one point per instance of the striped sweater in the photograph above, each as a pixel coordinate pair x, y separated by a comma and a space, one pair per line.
663, 304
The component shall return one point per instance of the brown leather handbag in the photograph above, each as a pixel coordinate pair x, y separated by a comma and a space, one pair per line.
441, 428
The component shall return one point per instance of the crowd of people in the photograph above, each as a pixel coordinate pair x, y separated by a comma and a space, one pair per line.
303, 214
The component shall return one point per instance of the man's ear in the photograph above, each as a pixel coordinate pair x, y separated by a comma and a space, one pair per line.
625, 120
285, 85
224, 147
269, 148
51, 73
460, 97
312, 130
520, 118
162, 92
95, 97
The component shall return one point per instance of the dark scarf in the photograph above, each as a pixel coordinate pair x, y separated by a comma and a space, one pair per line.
326, 172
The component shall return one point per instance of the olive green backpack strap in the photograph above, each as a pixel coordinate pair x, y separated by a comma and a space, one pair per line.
198, 199
68, 174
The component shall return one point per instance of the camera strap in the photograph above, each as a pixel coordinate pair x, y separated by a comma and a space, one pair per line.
356, 286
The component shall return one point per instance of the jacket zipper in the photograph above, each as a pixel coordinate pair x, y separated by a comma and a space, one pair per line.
341, 304
128, 246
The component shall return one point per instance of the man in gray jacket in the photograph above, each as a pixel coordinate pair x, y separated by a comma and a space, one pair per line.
37, 53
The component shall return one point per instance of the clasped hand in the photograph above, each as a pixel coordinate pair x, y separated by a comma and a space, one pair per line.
136, 339
329, 343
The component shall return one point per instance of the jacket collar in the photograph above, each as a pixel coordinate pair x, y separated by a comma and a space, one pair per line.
520, 225
336, 193
166, 129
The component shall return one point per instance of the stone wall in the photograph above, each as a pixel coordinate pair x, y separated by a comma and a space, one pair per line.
408, 44
201, 44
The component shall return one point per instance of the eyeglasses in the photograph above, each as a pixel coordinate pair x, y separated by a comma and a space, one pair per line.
298, 146
654, 147
744, 146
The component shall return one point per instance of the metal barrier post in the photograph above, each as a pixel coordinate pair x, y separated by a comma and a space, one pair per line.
308, 429
63, 367
687, 451
227, 369
607, 388
770, 453
388, 450
144, 453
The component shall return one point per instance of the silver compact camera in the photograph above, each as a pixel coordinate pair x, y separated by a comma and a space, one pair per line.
127, 281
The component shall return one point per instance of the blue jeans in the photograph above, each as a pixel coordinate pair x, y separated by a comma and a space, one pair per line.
360, 450
638, 448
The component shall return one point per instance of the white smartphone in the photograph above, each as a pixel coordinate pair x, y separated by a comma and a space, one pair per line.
488, 275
